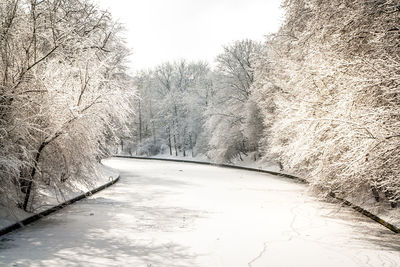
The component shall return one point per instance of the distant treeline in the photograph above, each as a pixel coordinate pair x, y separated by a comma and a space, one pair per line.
320, 97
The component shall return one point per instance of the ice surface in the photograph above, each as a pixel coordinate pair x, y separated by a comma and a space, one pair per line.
182, 214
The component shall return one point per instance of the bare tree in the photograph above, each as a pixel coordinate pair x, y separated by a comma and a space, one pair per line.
227, 115
63, 90
173, 103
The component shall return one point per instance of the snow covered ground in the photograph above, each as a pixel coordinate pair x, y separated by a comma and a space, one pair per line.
182, 214
52, 197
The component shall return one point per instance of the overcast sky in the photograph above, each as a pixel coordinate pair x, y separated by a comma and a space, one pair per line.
168, 30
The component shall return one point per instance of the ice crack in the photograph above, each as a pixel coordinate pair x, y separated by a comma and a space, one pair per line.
258, 256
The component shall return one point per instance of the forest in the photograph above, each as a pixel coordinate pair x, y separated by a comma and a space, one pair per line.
319, 98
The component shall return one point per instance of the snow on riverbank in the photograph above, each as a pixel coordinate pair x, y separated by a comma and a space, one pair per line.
244, 161
51, 197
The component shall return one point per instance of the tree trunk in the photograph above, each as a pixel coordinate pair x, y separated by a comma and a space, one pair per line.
176, 150
140, 123
389, 196
280, 166
244, 150
154, 132
169, 141
375, 193
191, 143
33, 172
184, 145
153, 128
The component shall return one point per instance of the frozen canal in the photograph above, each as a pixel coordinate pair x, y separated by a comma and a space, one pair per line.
179, 214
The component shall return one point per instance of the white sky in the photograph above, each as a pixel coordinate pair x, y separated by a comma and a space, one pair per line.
168, 30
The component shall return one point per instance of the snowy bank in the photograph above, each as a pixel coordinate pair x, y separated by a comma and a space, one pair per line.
12, 218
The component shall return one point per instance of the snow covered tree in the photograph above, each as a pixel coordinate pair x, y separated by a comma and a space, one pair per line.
326, 87
232, 131
63, 93
173, 98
